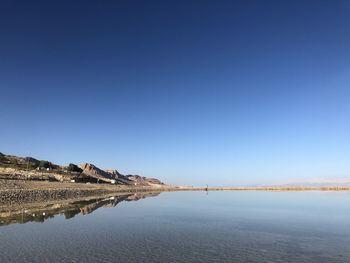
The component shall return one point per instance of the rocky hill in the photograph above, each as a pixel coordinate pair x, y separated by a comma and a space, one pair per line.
113, 176
25, 162
29, 168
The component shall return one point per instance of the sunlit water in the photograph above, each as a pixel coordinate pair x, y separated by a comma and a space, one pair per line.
190, 227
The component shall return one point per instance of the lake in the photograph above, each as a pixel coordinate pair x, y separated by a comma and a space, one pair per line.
222, 226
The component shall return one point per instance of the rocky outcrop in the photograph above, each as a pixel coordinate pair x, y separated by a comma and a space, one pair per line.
90, 170
114, 173
109, 175
144, 181
119, 177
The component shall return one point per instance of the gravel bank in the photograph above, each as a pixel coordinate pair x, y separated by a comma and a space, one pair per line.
20, 191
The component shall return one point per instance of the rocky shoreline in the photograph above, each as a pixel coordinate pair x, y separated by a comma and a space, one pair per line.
20, 191
18, 196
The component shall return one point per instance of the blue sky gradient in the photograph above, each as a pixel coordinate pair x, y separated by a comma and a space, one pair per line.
191, 92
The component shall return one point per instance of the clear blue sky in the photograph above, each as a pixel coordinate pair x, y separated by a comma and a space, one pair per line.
191, 92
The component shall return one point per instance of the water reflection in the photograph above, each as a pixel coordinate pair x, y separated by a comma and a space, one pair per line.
39, 212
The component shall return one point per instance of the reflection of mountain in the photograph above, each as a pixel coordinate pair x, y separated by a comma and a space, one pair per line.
113, 201
40, 212
110, 202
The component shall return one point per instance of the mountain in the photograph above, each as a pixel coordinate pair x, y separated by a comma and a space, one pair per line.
29, 167
91, 170
317, 182
118, 176
140, 180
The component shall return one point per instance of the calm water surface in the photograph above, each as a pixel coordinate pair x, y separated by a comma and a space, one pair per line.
184, 227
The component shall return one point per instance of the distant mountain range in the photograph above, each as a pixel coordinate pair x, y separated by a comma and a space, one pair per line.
315, 182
